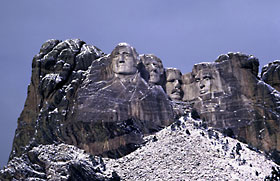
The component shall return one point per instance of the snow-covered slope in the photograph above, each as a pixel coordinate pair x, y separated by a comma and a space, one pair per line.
187, 151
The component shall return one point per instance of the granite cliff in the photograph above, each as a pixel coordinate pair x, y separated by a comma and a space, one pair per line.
230, 97
97, 102
109, 104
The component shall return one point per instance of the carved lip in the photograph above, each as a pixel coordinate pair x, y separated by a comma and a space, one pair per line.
175, 96
203, 91
176, 92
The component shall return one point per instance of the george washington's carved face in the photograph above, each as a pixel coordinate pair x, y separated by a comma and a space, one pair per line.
173, 84
124, 60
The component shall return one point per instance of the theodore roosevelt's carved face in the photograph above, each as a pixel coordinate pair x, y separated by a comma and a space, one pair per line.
154, 67
124, 59
173, 84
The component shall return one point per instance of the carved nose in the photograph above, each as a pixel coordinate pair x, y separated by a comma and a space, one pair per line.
177, 84
121, 59
201, 86
154, 70
153, 67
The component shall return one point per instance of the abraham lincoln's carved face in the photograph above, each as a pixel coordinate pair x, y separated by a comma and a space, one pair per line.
204, 80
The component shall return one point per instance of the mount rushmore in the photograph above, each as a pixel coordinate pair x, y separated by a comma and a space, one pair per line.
106, 104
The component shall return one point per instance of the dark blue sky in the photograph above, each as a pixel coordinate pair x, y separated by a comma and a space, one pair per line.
181, 33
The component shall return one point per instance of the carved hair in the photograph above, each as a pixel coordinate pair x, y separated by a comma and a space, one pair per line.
133, 50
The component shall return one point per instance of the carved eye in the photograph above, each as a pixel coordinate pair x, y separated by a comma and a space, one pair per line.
197, 79
207, 78
126, 54
116, 54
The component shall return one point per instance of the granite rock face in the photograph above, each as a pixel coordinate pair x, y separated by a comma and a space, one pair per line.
105, 104
271, 74
56, 162
97, 102
123, 106
228, 96
57, 72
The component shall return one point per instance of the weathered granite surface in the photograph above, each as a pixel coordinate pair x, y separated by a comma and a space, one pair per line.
184, 150
56, 162
271, 74
57, 72
123, 106
106, 104
229, 96
100, 103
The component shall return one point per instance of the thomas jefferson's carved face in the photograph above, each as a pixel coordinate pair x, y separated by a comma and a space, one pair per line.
124, 61
173, 84
204, 81
154, 67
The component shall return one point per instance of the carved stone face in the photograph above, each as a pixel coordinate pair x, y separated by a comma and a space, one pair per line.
124, 60
204, 81
154, 67
173, 84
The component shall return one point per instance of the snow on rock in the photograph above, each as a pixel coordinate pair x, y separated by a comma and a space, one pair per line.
187, 151
56, 162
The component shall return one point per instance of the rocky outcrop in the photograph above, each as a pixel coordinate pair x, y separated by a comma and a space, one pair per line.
107, 104
100, 103
271, 74
57, 72
230, 97
187, 151
56, 162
